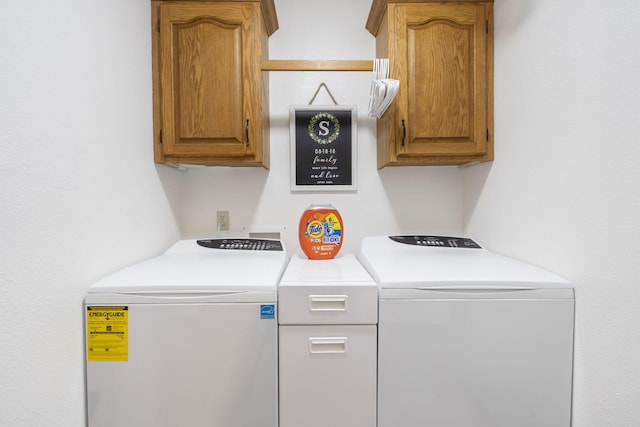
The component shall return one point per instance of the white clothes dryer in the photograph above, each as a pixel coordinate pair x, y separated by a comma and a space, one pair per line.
188, 338
469, 338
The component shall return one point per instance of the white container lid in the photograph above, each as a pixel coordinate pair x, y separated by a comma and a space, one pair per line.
343, 268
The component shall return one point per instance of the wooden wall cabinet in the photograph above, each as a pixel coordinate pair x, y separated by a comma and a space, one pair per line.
210, 95
442, 53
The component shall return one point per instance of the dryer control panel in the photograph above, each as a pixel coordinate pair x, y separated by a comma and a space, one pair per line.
242, 244
437, 241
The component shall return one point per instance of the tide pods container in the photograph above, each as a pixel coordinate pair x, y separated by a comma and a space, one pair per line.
321, 232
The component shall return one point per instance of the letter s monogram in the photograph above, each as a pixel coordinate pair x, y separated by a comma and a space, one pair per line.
324, 128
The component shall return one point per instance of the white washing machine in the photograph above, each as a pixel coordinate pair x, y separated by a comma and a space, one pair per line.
468, 338
188, 338
327, 315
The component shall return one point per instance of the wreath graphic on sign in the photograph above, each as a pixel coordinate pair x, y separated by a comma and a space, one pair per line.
331, 136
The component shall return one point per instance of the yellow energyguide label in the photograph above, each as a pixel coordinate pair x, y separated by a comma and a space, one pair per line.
107, 334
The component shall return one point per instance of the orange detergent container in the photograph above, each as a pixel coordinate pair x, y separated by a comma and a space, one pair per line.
321, 232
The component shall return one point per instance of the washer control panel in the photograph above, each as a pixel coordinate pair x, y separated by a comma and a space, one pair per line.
242, 244
436, 241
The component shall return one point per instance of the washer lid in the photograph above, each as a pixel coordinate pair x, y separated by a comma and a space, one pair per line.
192, 267
406, 262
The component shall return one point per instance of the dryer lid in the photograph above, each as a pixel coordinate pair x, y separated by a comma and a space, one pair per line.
458, 263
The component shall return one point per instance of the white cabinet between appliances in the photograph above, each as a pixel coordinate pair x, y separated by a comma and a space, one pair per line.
327, 344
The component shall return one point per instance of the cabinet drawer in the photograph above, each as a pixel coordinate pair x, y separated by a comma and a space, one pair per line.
318, 304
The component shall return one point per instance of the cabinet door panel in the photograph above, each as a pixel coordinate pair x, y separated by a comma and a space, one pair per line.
444, 48
440, 49
207, 74
209, 90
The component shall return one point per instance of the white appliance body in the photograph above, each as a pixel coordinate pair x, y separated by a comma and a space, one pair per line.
202, 339
468, 337
327, 344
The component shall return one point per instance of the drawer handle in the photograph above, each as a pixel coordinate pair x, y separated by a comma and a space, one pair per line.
328, 302
327, 345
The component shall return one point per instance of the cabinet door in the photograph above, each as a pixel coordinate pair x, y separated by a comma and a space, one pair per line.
210, 81
327, 375
441, 59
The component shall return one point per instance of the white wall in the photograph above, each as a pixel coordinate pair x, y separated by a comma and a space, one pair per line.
564, 190
81, 197
79, 193
393, 200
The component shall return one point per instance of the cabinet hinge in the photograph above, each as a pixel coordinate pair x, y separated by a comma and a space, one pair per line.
160, 136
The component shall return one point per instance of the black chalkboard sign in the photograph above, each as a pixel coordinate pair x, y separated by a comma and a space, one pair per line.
323, 149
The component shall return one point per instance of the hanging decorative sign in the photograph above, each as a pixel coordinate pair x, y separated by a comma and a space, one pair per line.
323, 148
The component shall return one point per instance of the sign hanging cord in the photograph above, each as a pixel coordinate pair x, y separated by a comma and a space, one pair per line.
323, 84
